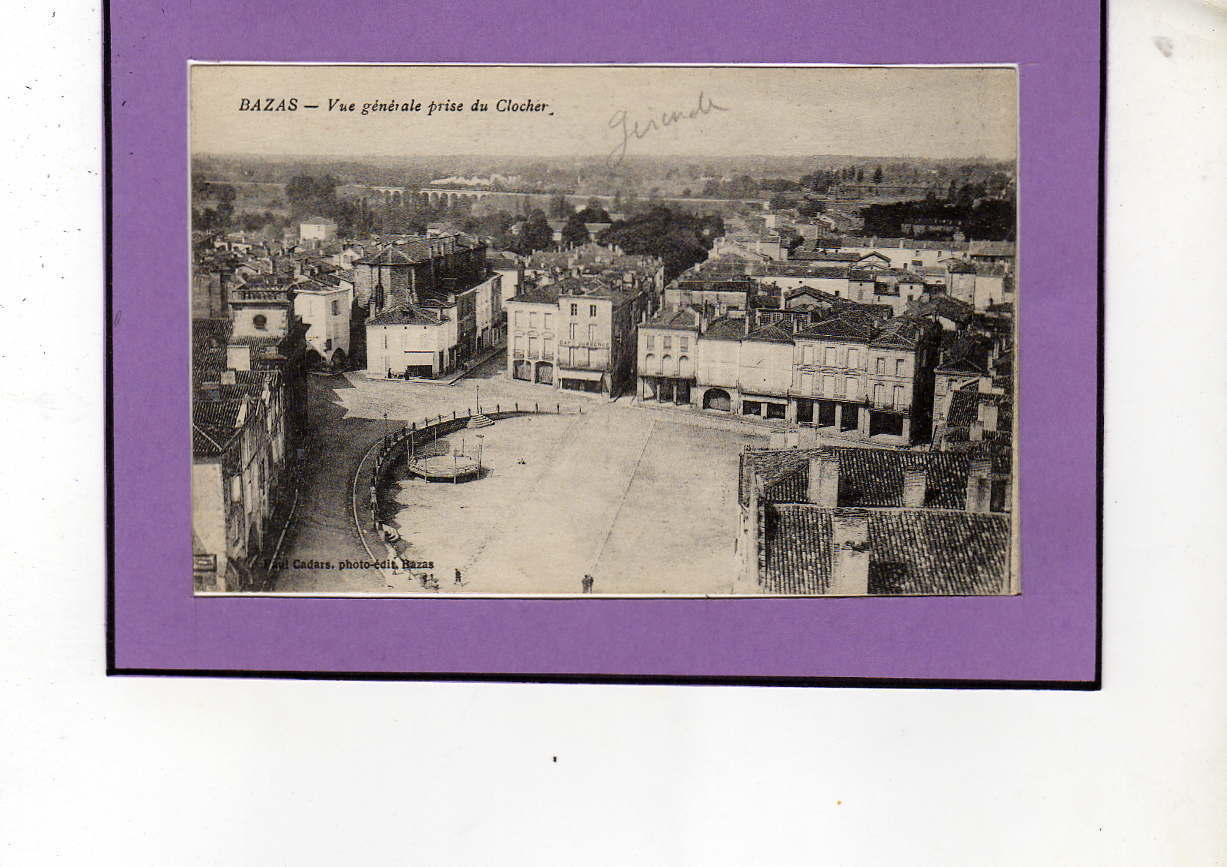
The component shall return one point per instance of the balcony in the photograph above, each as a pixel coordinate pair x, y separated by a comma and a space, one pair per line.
888, 405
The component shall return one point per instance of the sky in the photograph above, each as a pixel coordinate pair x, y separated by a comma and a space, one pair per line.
930, 112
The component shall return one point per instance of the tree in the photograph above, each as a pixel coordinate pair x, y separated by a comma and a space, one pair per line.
575, 233
535, 234
560, 208
594, 213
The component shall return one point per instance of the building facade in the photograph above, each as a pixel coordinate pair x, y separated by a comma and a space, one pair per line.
325, 311
591, 333
854, 373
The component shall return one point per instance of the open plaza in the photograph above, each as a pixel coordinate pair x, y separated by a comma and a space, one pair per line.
642, 499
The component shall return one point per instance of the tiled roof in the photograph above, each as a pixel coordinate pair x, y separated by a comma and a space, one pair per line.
968, 353
941, 304
408, 254
725, 328
687, 318
903, 332
769, 334
215, 423
912, 551
844, 325
991, 248
530, 294
964, 404
407, 314
903, 244
868, 477
811, 255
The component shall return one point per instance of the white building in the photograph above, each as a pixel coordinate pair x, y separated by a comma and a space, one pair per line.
317, 229
411, 341
325, 310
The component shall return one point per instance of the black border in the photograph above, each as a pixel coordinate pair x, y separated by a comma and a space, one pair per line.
613, 679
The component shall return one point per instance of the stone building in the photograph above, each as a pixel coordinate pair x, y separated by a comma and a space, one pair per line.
591, 333
324, 306
846, 369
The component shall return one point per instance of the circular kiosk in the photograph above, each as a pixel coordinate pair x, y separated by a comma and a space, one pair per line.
444, 468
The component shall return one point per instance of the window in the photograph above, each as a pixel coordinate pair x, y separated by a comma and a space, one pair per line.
519, 319
898, 397
574, 309
592, 310
941, 386
532, 347
549, 321
649, 341
807, 383
881, 366
900, 367
879, 393
591, 333
683, 344
571, 331
831, 356
828, 385
336, 308
260, 321
807, 355
532, 320
667, 341
854, 358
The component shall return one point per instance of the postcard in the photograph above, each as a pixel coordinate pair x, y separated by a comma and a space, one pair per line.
631, 361
571, 330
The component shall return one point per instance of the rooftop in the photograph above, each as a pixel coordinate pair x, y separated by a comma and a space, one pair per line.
407, 314
868, 477
912, 551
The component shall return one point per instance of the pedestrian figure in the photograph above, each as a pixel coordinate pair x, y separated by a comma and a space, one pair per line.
458, 579
587, 583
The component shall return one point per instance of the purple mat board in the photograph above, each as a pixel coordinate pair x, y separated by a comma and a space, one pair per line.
1045, 637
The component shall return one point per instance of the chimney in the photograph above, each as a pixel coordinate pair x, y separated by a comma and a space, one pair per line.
915, 486
228, 377
979, 484
823, 487
238, 356
849, 554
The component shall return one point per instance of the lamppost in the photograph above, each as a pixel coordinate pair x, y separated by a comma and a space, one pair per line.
478, 399
385, 428
480, 437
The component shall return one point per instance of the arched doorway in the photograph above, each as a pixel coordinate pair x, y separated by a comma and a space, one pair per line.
717, 398
545, 373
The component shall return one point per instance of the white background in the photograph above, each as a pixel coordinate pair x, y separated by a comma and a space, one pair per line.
166, 771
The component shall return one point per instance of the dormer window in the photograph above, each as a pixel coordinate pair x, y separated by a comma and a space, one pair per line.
260, 321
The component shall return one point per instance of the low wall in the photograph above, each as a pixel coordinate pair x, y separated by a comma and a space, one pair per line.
372, 470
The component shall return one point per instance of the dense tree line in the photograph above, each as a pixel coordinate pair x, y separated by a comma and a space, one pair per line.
982, 219
679, 238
